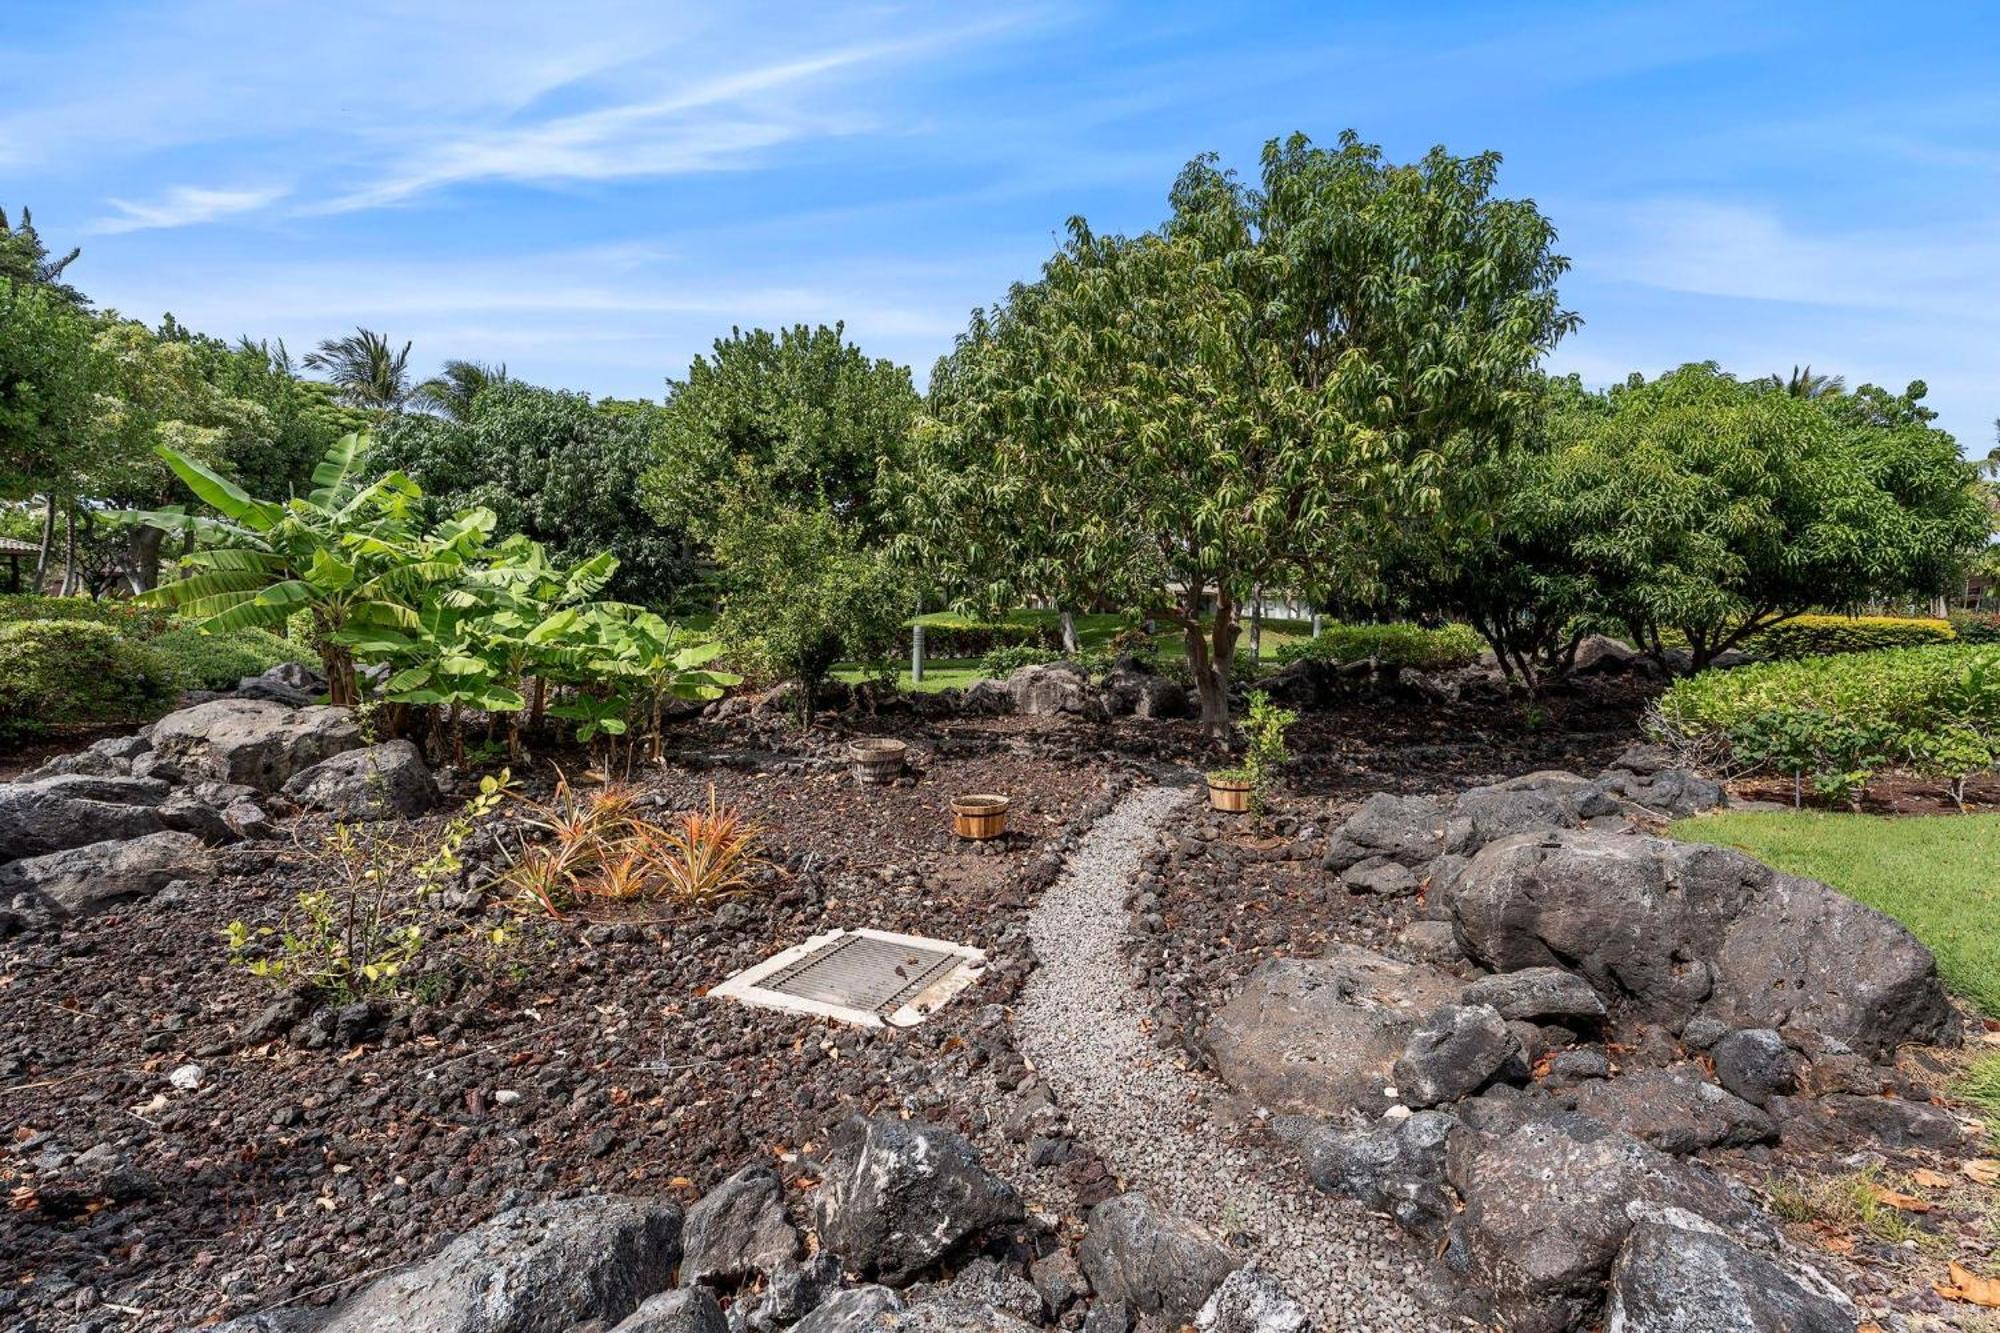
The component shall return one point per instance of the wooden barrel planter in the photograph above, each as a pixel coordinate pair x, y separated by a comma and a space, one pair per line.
980, 818
1228, 792
877, 761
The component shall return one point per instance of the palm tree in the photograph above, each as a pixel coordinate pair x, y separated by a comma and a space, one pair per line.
24, 259
450, 392
366, 372
1802, 383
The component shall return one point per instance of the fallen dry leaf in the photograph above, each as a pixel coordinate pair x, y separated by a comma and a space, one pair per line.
1931, 1180
1983, 1171
1909, 1203
1969, 1287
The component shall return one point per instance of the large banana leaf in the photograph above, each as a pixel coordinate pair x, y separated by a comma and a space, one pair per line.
220, 493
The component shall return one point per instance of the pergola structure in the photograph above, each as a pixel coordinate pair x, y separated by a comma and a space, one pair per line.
13, 551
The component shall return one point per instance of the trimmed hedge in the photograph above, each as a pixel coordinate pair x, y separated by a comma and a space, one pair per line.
976, 638
1814, 636
137, 621
59, 672
1397, 644
1976, 626
202, 661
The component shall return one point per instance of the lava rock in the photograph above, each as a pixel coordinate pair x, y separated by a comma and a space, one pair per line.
1052, 690
1395, 1166
256, 742
88, 879
1671, 1279
1756, 1065
1538, 995
547, 1266
55, 814
1252, 1302
1675, 1110
1647, 776
737, 1230
1675, 927
1152, 1261
852, 1311
1847, 1118
1453, 1053
386, 781
1380, 876
1059, 1280
1317, 1036
690, 1310
1486, 814
1408, 830
897, 1196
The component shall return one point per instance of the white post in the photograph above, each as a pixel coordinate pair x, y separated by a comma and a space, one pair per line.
916, 654
1316, 624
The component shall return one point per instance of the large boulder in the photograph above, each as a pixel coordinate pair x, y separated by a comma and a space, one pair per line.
1154, 1262
108, 758
540, 1269
256, 742
855, 1310
1395, 1166
53, 814
1131, 691
1252, 1302
1549, 1203
1318, 1036
1690, 1279
1487, 814
1675, 929
1675, 1110
386, 781
1404, 830
692, 1310
1054, 689
737, 1231
897, 1196
79, 881
1456, 1050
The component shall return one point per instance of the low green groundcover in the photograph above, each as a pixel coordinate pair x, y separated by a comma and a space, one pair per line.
64, 672
1939, 875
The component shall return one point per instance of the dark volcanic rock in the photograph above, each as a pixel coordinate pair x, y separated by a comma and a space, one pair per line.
530, 1270
1317, 1036
898, 1196
1452, 1053
1252, 1302
386, 781
1647, 776
1151, 1261
57, 813
1671, 1279
1393, 1166
737, 1230
691, 1310
1408, 830
1755, 1064
1844, 1118
252, 741
1674, 1110
1538, 994
88, 879
852, 1311
1676, 928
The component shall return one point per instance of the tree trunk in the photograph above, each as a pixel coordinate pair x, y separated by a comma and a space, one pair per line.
142, 557
69, 553
1069, 632
1256, 626
48, 546
1210, 657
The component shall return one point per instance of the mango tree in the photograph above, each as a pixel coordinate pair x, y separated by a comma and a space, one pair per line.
1237, 399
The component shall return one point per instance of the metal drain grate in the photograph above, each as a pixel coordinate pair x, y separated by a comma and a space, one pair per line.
864, 977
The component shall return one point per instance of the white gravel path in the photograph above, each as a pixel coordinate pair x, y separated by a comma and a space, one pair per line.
1078, 1023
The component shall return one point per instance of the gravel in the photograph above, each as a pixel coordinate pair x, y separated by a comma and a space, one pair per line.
1079, 1024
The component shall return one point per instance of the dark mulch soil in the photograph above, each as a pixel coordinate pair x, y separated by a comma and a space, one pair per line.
1891, 793
579, 1056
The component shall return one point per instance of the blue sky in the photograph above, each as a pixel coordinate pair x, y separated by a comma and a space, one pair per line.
591, 191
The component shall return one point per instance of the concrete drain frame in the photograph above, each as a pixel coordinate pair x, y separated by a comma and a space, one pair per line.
865, 978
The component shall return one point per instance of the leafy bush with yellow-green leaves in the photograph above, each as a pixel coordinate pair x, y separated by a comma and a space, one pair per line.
66, 672
1812, 636
1396, 644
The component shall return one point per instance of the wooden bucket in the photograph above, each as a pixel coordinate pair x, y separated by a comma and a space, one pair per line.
1231, 794
980, 818
877, 761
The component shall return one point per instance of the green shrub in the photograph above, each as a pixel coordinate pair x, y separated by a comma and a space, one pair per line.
127, 617
1976, 626
1813, 636
216, 661
58, 672
1009, 658
952, 638
1392, 645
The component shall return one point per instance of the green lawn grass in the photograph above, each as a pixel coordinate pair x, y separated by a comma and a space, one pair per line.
1939, 875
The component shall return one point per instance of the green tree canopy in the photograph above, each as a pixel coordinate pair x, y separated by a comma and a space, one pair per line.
555, 466
1235, 400
800, 418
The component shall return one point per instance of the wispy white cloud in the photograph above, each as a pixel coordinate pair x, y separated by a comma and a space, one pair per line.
183, 206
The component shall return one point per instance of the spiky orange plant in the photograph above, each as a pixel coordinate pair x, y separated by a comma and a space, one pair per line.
706, 855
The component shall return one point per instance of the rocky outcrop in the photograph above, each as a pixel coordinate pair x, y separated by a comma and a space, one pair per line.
385, 781
1052, 690
55, 813
737, 1231
1676, 929
1318, 1036
694, 1310
548, 1267
1151, 1261
1395, 1166
1692, 1279
83, 880
256, 742
852, 1311
1648, 777
1675, 1110
1456, 1050
898, 1196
